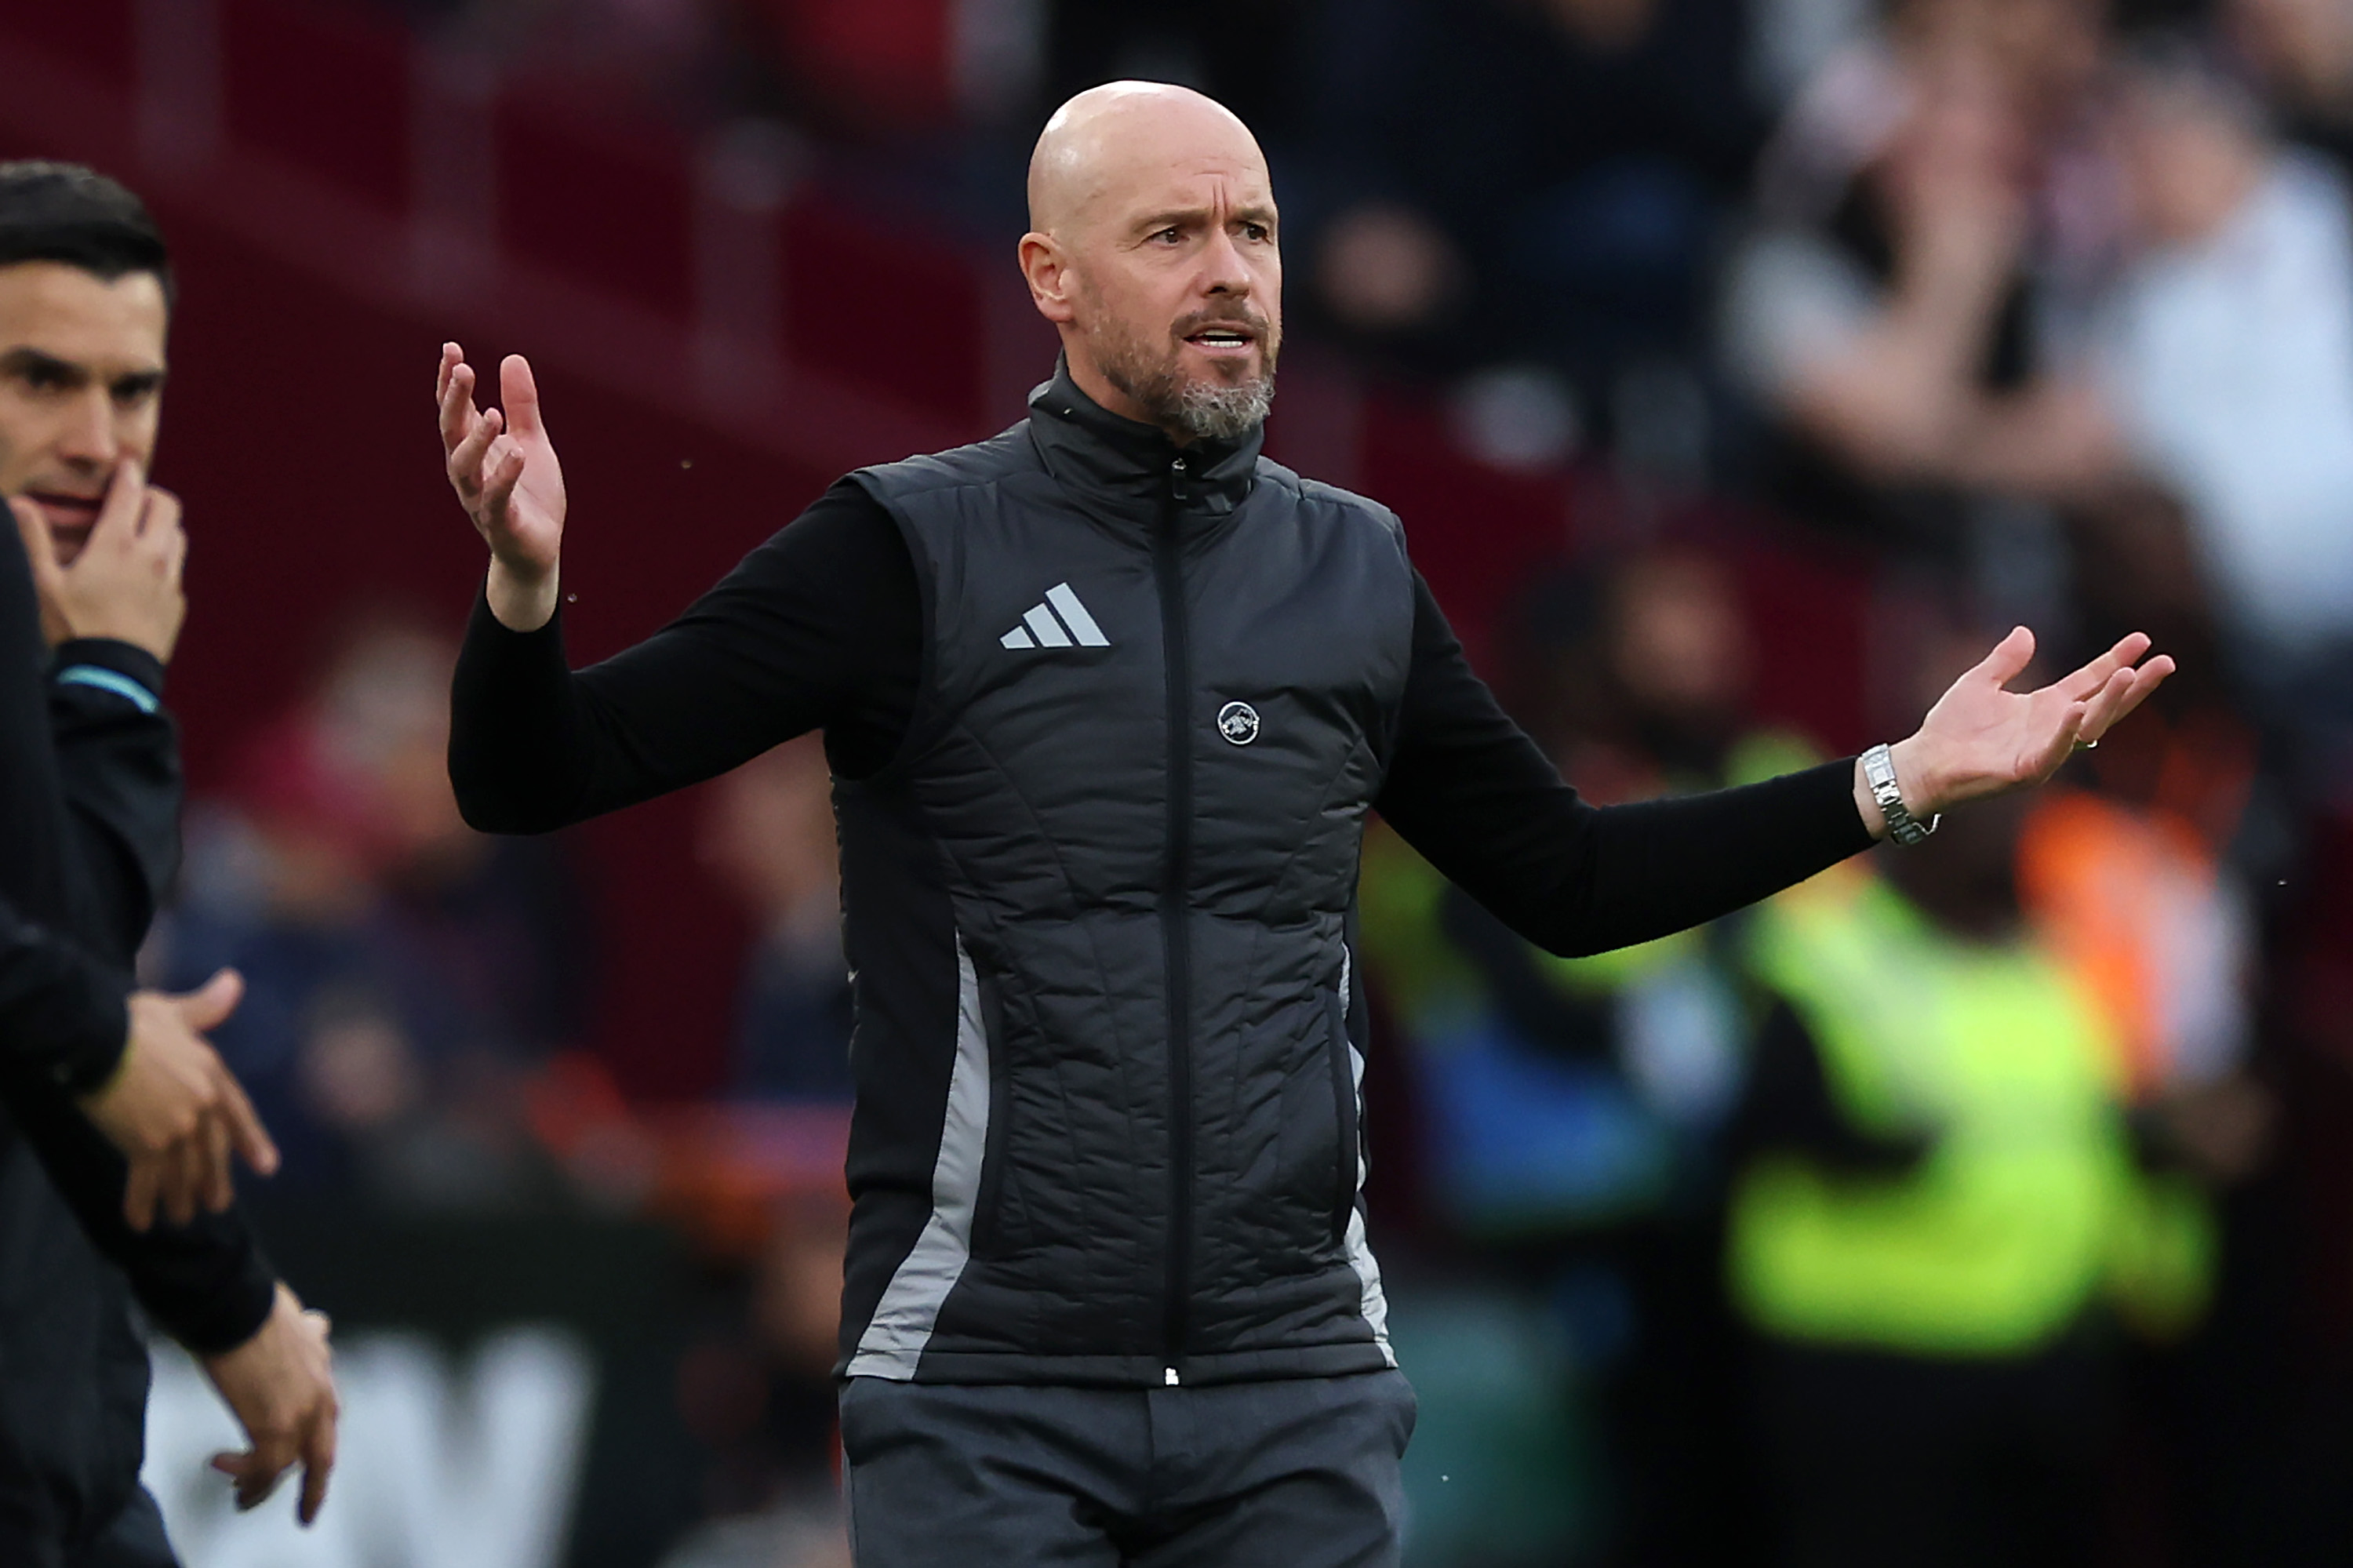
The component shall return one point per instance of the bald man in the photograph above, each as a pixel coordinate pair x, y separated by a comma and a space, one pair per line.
1107, 699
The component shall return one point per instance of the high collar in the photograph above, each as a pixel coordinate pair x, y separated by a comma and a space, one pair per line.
1128, 469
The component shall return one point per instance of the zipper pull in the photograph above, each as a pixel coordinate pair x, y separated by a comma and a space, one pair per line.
1168, 1376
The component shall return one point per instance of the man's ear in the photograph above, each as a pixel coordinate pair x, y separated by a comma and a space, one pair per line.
1048, 273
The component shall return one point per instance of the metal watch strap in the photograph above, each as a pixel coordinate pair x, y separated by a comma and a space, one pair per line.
1879, 773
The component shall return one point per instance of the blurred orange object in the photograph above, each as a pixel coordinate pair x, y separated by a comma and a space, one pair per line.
725, 1170
2133, 904
720, 1170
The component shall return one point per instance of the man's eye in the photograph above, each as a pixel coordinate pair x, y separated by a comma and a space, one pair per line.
44, 378
1170, 235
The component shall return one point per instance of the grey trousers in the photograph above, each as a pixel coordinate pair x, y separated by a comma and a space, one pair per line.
1299, 1473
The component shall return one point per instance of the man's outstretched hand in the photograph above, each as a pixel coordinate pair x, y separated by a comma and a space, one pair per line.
281, 1385
504, 469
1982, 739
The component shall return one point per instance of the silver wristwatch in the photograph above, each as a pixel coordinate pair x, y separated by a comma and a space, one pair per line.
1879, 772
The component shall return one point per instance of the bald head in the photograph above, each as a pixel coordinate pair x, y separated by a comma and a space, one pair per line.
1110, 139
1152, 249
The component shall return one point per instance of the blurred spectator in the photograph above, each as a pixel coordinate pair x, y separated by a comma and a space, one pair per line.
759, 1394
1527, 183
2301, 53
2225, 350
1880, 314
1570, 1105
1940, 1205
770, 836
404, 974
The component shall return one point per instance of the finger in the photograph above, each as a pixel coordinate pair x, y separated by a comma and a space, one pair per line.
158, 518
465, 460
2085, 682
220, 1188
208, 1006
2103, 706
126, 499
184, 1180
458, 415
505, 472
2061, 745
139, 1193
2009, 658
242, 1469
255, 1473
317, 1463
250, 1138
519, 394
2126, 690
452, 357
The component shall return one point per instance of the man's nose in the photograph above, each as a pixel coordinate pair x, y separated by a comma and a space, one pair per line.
89, 438
1223, 272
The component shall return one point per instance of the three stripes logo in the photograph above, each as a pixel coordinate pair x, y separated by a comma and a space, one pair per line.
1059, 620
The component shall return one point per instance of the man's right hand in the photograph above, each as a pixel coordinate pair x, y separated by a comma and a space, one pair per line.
504, 469
175, 1109
125, 583
281, 1385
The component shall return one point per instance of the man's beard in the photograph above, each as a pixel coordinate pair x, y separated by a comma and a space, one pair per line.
1206, 410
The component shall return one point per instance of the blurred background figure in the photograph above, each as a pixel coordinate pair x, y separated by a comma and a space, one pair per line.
769, 836
1549, 247
407, 974
1882, 314
2225, 350
1571, 1108
758, 1392
1940, 1213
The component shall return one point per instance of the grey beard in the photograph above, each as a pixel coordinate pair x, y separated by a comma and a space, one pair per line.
1209, 411
1201, 410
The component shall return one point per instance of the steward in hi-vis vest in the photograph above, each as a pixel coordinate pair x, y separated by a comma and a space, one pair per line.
2023, 1207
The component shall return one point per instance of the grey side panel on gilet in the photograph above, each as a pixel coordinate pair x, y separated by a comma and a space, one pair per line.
1031, 1231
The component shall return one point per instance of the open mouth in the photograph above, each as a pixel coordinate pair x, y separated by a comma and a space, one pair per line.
1223, 339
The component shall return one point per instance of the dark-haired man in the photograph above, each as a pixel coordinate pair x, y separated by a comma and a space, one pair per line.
1107, 699
111, 1105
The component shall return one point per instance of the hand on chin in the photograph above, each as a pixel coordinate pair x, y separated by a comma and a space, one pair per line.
69, 538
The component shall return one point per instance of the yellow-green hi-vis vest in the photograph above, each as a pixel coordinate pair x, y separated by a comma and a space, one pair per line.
2028, 1205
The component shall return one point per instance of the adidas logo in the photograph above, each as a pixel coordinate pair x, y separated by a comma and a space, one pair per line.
1040, 627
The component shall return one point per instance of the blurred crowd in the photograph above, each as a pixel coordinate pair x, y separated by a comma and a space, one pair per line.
1971, 1204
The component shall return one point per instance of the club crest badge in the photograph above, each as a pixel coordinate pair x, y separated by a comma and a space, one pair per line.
1237, 722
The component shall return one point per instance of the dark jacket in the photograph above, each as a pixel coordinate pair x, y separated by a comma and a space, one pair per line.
1098, 912
90, 792
1107, 1124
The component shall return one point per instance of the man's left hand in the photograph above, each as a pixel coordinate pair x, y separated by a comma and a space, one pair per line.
281, 1385
1982, 738
125, 584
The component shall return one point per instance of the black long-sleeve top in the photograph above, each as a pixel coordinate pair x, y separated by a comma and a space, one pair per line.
89, 798
821, 627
